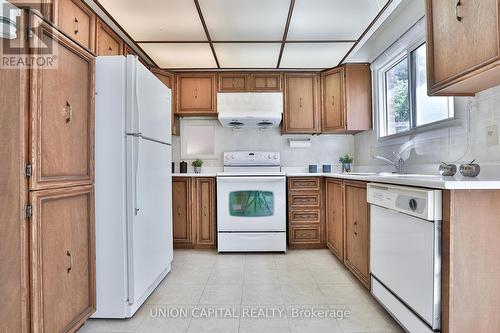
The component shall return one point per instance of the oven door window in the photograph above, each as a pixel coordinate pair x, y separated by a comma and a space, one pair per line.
251, 203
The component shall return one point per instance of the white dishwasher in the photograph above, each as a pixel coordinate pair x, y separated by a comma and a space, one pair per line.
405, 254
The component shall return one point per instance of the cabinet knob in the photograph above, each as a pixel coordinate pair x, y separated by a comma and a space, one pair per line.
196, 93
355, 229
70, 267
333, 100
179, 211
76, 26
205, 211
68, 112
457, 7
300, 102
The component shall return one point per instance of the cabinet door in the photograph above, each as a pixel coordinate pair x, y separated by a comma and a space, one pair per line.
181, 204
78, 21
301, 104
233, 82
63, 259
461, 36
334, 217
333, 101
168, 79
205, 211
107, 42
62, 112
196, 94
357, 247
265, 82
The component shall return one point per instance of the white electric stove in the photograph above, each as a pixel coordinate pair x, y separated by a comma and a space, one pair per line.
251, 203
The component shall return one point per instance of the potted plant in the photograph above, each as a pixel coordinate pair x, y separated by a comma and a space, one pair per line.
346, 162
197, 163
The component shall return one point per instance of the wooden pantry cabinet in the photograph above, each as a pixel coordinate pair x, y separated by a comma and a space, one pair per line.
305, 218
334, 216
169, 80
301, 104
463, 46
357, 230
47, 199
194, 212
107, 41
196, 94
346, 99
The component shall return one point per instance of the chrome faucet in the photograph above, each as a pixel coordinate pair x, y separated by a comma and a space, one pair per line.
399, 165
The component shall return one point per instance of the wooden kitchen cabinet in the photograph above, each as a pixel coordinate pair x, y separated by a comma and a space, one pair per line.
334, 211
265, 82
233, 82
301, 110
196, 94
305, 218
346, 99
463, 54
194, 212
107, 41
77, 21
62, 116
169, 80
357, 231
63, 258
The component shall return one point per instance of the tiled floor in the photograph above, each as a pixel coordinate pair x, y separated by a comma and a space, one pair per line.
301, 291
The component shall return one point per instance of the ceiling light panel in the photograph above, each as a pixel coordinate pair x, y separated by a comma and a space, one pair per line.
155, 20
255, 20
180, 55
331, 19
313, 55
247, 55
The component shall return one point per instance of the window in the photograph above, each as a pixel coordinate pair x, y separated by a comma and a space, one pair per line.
406, 105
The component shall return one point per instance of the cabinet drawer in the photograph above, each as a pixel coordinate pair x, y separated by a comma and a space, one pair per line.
305, 216
76, 20
305, 200
306, 184
305, 235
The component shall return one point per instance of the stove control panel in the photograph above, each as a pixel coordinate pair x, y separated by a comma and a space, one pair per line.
251, 158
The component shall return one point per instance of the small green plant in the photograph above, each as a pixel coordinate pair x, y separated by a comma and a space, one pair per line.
197, 163
346, 159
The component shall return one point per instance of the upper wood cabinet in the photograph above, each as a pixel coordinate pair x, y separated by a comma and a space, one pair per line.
107, 41
301, 113
169, 80
265, 82
196, 94
77, 20
334, 211
357, 231
63, 259
346, 99
463, 53
62, 116
233, 82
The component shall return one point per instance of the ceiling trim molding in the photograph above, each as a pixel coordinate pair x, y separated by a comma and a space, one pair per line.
326, 41
285, 33
364, 33
202, 19
244, 69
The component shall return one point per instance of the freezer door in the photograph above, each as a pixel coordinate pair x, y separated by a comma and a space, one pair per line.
150, 244
150, 103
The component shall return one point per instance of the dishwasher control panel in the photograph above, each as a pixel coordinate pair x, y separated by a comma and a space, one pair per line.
422, 203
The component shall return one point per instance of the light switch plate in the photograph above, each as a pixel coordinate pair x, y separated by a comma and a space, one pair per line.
492, 135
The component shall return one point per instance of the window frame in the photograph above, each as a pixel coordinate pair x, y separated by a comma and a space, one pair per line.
381, 94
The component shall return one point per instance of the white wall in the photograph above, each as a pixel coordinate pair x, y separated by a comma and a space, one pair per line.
325, 149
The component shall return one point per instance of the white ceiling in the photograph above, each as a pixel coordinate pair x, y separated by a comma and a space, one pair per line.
326, 30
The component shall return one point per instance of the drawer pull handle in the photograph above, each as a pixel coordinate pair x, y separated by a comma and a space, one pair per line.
68, 253
457, 6
76, 26
68, 112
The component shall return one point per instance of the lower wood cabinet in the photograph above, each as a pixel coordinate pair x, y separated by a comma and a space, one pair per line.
305, 218
357, 230
334, 216
194, 212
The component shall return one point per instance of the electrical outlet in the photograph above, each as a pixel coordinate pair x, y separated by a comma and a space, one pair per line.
491, 135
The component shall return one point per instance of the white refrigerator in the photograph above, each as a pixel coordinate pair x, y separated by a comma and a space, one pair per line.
133, 184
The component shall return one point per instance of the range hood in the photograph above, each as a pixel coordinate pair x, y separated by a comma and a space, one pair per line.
250, 110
